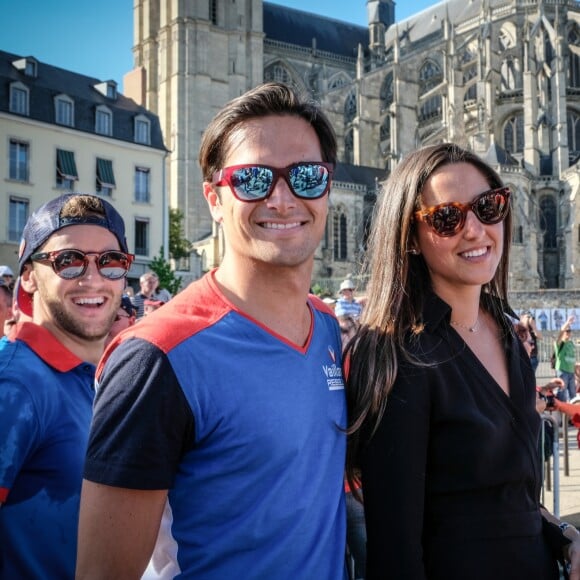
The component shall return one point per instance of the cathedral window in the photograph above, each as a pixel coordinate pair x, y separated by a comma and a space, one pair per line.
337, 81
386, 130
430, 76
548, 222
213, 12
278, 73
350, 108
573, 133
431, 108
574, 59
349, 147
513, 134
339, 236
386, 95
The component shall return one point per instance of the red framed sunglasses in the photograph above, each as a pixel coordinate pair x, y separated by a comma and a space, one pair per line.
448, 219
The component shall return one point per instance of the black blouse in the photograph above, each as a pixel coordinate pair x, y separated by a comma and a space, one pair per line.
452, 478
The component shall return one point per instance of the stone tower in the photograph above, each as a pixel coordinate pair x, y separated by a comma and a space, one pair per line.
190, 58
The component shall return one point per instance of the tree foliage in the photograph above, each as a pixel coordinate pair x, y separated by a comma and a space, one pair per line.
167, 277
179, 245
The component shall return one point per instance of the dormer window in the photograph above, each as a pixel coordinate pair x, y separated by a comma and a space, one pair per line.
142, 130
29, 66
107, 89
103, 121
19, 99
64, 110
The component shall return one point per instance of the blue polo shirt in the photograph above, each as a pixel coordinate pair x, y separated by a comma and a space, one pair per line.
46, 396
245, 430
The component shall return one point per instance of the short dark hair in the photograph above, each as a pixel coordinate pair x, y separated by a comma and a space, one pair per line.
263, 101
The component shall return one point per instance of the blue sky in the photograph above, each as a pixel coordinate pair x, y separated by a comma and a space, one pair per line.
95, 38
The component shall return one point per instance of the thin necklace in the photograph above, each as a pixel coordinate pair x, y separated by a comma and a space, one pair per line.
470, 328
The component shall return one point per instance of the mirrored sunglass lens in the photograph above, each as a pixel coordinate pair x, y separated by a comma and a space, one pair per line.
251, 183
446, 220
490, 207
113, 265
70, 264
309, 180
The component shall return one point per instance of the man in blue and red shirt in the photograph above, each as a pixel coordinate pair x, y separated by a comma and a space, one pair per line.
217, 446
73, 261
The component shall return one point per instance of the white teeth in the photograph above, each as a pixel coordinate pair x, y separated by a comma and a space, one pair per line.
475, 253
273, 226
99, 300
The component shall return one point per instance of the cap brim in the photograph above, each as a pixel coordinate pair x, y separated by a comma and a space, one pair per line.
23, 299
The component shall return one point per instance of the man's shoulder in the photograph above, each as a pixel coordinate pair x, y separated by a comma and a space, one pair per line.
189, 312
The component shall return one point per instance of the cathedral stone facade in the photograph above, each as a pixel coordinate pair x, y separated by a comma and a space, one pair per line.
501, 77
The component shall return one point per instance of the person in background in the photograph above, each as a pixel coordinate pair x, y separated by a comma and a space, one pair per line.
150, 306
436, 369
529, 322
125, 318
236, 383
73, 261
5, 303
565, 352
346, 303
148, 283
7, 275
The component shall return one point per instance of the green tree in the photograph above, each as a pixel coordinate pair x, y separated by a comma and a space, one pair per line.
179, 246
167, 277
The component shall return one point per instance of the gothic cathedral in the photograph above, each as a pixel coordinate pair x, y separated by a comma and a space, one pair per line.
501, 77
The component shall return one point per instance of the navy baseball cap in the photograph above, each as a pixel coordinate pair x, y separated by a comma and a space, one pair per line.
47, 220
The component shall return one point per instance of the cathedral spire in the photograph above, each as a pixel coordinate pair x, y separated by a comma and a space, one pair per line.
381, 14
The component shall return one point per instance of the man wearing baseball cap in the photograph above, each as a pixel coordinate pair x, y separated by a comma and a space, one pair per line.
73, 260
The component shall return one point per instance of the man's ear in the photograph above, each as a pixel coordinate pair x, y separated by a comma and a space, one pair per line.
28, 279
213, 201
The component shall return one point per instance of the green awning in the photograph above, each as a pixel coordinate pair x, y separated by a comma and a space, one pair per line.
65, 164
105, 175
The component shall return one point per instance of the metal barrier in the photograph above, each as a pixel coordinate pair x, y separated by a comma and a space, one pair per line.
554, 460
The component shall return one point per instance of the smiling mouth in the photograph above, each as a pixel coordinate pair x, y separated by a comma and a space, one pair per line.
90, 302
277, 226
475, 253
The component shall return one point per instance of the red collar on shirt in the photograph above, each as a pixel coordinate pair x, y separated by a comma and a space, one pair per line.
46, 346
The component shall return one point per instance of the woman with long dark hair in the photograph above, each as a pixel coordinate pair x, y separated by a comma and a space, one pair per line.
443, 426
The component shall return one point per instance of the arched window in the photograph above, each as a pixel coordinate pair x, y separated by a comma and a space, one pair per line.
431, 108
548, 222
513, 134
386, 129
574, 59
430, 76
339, 236
278, 73
573, 133
349, 147
386, 95
350, 108
339, 80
